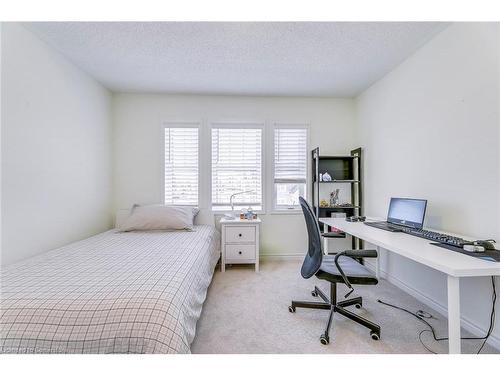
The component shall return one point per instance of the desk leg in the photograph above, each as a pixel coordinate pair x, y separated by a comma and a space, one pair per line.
325, 239
223, 249
454, 315
377, 262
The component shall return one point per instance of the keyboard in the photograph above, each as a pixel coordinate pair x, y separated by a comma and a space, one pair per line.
384, 225
437, 237
427, 234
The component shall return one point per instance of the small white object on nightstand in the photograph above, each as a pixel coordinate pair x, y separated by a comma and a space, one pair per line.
240, 242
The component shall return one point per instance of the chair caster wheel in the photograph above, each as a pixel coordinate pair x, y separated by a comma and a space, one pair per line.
314, 294
375, 335
291, 309
324, 340
358, 305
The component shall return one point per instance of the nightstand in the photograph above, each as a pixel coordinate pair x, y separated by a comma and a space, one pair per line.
240, 242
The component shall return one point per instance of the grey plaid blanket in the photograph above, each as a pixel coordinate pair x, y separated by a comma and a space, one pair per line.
137, 292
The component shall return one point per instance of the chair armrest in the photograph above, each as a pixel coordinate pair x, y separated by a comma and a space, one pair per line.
352, 254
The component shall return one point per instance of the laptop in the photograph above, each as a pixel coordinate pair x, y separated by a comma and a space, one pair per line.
403, 213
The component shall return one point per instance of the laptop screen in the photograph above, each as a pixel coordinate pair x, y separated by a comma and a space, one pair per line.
406, 211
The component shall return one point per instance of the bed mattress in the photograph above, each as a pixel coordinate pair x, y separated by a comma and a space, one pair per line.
135, 292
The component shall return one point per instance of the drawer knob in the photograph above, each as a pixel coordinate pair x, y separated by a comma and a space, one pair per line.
239, 235
239, 252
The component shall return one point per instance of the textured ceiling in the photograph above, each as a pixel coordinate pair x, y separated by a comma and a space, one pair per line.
277, 58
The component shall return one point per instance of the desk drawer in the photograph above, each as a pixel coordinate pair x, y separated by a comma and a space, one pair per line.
240, 253
240, 234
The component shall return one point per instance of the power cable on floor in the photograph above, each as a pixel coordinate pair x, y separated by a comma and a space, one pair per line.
423, 315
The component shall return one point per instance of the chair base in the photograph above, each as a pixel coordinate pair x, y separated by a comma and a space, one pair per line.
339, 307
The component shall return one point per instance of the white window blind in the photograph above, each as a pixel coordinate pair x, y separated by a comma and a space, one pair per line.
181, 165
236, 167
290, 166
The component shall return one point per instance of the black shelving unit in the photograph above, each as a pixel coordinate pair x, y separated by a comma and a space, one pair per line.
344, 169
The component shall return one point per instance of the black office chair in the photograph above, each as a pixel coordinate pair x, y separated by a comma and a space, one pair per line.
340, 268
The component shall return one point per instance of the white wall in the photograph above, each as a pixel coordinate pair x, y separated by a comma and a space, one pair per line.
1, 26
138, 147
431, 129
56, 174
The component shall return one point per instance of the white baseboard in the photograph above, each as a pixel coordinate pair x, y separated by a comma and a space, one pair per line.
282, 256
493, 340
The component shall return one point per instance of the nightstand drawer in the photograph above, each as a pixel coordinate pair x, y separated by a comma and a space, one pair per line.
240, 234
240, 252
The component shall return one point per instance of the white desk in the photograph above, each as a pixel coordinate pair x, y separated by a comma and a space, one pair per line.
453, 264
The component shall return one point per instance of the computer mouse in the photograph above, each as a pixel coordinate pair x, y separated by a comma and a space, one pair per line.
473, 248
488, 245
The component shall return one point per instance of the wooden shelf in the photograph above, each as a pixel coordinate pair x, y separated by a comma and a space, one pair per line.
333, 235
339, 182
339, 207
342, 157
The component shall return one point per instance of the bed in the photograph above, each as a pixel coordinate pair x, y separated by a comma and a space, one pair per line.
134, 292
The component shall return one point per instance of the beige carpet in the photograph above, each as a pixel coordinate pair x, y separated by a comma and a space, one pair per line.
247, 312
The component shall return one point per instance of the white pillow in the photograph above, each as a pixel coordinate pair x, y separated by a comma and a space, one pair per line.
159, 217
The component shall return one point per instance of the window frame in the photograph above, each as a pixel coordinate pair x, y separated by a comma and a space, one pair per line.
288, 125
181, 124
238, 125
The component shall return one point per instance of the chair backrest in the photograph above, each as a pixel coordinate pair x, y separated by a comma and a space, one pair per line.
314, 255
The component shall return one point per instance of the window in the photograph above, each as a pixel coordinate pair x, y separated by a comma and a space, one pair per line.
236, 167
181, 165
290, 166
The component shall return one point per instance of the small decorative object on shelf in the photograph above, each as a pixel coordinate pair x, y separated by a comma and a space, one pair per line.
320, 177
248, 214
323, 203
327, 177
334, 197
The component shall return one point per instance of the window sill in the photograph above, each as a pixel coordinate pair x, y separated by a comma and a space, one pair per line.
235, 212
